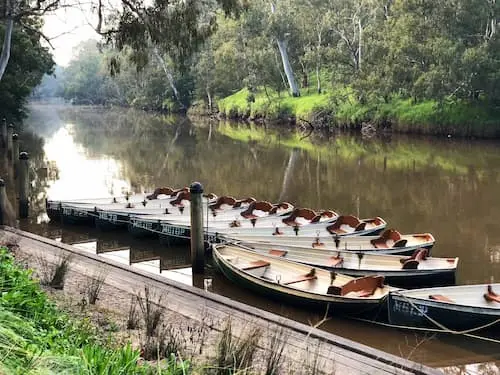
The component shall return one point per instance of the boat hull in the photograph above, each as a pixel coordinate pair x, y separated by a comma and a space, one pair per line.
408, 312
357, 308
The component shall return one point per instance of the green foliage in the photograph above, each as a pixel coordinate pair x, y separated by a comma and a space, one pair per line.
28, 63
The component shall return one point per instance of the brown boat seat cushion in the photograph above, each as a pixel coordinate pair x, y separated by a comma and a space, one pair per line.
241, 202
440, 297
364, 286
349, 220
255, 264
388, 235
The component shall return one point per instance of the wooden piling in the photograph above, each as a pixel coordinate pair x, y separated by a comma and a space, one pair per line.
2, 202
197, 237
15, 152
23, 185
10, 133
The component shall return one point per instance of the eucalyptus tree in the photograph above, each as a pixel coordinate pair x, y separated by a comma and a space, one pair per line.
173, 29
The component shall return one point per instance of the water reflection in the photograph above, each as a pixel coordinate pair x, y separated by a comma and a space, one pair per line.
446, 187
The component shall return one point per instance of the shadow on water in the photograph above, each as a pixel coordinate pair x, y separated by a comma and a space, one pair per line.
446, 187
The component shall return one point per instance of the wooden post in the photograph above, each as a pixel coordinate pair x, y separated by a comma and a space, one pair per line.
15, 152
4, 133
197, 238
10, 132
23, 184
2, 202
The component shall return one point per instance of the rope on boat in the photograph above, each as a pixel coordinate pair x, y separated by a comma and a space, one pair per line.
445, 329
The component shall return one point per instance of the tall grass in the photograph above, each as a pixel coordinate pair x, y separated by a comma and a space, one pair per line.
37, 338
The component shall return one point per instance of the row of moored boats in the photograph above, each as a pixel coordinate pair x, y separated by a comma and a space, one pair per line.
349, 265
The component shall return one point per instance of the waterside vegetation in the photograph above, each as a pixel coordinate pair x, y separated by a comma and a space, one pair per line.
409, 66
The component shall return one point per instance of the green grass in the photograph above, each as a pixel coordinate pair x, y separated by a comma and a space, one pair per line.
271, 104
458, 118
37, 338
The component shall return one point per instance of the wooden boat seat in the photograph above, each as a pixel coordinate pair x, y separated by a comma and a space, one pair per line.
491, 296
440, 297
412, 262
183, 195
277, 253
348, 220
260, 205
335, 261
305, 213
323, 214
364, 286
300, 279
241, 202
166, 191
389, 238
282, 205
225, 199
255, 264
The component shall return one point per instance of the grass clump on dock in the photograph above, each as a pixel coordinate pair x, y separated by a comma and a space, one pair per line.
37, 338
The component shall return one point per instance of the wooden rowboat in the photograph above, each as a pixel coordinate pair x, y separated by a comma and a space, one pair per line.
116, 211
416, 270
343, 226
457, 308
389, 242
300, 284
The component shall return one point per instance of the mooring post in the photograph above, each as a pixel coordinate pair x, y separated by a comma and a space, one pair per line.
2, 201
23, 184
197, 240
4, 133
15, 152
10, 132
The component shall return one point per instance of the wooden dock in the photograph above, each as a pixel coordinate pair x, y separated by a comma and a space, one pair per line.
340, 355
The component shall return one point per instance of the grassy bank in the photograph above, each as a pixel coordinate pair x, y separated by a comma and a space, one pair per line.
342, 109
37, 338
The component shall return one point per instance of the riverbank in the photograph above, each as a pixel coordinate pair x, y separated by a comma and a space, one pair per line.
342, 110
195, 321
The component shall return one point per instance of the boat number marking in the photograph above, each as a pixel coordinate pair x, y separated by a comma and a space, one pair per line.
108, 217
173, 231
407, 309
148, 225
70, 212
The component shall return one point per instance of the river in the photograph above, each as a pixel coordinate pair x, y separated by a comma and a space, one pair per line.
445, 186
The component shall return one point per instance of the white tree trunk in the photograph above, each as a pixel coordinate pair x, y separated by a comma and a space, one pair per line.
209, 97
292, 84
360, 30
169, 75
5, 56
288, 69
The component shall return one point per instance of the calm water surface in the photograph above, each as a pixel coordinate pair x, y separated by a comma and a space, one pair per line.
444, 186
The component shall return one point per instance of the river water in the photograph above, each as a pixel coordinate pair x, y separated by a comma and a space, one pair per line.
445, 186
